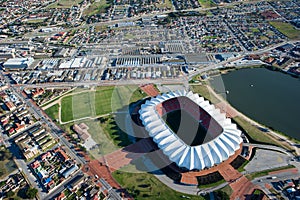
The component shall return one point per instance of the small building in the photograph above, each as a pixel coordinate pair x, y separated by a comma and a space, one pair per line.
69, 171
10, 106
60, 53
82, 130
37, 92
76, 183
61, 154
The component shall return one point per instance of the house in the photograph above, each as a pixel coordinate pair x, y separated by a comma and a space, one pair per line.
270, 60
61, 154
82, 130
20, 127
46, 155
61, 196
35, 164
37, 92
10, 106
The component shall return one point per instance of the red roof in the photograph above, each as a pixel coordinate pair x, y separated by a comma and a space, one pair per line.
60, 196
62, 153
35, 164
10, 105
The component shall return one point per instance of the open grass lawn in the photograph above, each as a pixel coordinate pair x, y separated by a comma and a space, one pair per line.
7, 165
202, 90
52, 112
102, 101
254, 132
206, 3
146, 186
64, 4
35, 21
114, 132
287, 29
166, 4
97, 7
66, 109
105, 143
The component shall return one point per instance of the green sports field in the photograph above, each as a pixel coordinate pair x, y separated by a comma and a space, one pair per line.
102, 101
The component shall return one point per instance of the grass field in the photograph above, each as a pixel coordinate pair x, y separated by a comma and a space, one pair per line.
114, 132
146, 186
7, 165
181, 122
64, 4
66, 109
287, 29
97, 7
52, 112
167, 4
202, 90
102, 101
254, 132
99, 135
206, 3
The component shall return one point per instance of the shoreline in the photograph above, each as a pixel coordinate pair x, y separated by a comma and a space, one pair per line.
280, 137
226, 70
231, 69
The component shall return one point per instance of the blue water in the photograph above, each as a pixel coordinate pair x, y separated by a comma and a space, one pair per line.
269, 97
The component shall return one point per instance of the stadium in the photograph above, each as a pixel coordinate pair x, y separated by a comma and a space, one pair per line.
190, 131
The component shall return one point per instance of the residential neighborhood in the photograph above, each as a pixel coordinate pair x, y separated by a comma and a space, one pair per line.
78, 78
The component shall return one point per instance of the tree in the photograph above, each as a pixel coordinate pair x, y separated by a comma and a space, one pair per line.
222, 195
31, 192
10, 194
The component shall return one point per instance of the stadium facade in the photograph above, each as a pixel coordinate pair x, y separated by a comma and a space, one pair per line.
224, 136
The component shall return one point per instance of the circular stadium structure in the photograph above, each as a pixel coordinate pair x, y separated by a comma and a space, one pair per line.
189, 130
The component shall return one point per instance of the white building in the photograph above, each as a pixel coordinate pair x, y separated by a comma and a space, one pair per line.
213, 151
18, 63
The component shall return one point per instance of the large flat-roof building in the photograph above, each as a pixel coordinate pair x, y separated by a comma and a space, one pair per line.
18, 63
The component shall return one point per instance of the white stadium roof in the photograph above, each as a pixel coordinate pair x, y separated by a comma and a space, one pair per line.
191, 157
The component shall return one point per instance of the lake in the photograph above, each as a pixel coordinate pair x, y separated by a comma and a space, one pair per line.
269, 97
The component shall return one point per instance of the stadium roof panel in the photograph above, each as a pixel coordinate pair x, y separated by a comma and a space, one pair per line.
198, 157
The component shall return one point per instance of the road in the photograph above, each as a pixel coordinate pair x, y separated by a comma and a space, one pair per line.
56, 132
55, 191
270, 147
262, 181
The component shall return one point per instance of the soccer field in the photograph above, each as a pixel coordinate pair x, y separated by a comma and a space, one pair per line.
101, 101
186, 127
